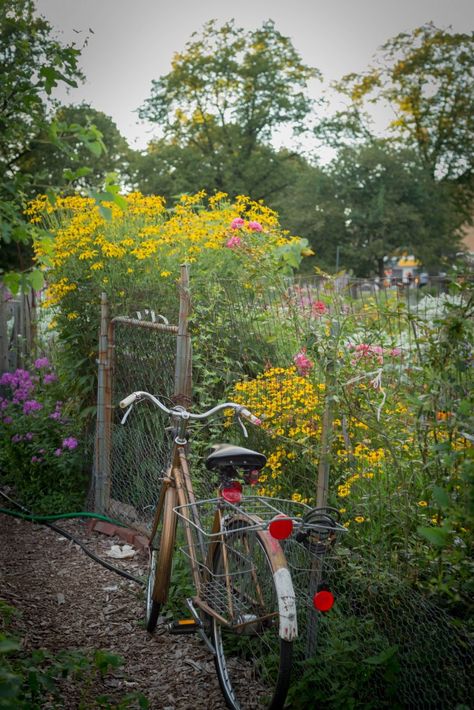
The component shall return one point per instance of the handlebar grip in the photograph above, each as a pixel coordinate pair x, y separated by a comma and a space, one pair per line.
250, 417
128, 400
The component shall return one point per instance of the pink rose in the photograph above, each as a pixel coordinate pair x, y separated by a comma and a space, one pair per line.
237, 223
255, 226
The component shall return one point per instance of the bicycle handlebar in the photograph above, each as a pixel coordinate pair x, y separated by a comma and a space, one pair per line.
183, 413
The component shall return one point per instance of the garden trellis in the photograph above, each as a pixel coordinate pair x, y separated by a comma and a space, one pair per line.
342, 374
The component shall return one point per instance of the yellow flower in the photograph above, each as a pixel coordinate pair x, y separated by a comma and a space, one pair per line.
422, 503
359, 519
72, 316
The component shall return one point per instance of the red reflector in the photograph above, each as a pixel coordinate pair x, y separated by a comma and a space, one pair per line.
281, 527
232, 493
323, 600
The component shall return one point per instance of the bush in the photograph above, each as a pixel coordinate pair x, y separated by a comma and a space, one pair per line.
40, 452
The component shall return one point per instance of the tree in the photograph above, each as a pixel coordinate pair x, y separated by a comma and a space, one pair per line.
49, 164
390, 204
373, 201
224, 98
32, 64
427, 79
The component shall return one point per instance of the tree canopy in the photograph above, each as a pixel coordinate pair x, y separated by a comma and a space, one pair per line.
32, 64
226, 95
427, 79
49, 164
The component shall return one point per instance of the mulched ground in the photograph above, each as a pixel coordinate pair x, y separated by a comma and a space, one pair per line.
68, 601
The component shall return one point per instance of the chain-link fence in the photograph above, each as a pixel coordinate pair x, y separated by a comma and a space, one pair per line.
356, 386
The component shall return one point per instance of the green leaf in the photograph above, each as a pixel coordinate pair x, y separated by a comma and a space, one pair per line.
95, 147
106, 212
51, 195
36, 280
436, 536
8, 645
441, 497
381, 658
12, 281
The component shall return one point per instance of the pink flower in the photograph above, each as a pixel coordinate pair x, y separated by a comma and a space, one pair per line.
58, 452
318, 308
51, 377
395, 352
237, 223
303, 363
233, 242
255, 226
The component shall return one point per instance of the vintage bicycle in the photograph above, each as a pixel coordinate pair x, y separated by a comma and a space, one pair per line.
238, 546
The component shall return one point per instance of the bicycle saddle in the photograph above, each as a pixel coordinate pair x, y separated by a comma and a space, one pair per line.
228, 455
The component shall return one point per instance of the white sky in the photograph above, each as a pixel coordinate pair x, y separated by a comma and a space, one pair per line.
133, 42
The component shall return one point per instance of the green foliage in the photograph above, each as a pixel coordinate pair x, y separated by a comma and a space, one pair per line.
225, 95
30, 680
39, 454
77, 159
32, 64
426, 77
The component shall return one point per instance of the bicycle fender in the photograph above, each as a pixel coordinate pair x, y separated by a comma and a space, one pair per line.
286, 604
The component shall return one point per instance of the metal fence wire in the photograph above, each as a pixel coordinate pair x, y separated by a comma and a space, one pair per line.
339, 372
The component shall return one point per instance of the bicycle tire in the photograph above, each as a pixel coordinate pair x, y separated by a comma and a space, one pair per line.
161, 555
253, 667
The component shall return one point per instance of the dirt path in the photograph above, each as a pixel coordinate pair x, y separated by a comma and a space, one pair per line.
67, 601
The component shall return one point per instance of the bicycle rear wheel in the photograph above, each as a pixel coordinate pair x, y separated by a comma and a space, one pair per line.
161, 555
253, 663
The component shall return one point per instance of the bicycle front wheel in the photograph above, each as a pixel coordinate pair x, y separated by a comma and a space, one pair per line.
253, 663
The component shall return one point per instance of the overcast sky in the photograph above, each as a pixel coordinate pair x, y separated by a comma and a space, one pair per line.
133, 41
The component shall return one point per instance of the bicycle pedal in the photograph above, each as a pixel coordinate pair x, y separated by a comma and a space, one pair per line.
183, 626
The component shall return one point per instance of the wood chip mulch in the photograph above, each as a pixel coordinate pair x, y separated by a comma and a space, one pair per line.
68, 601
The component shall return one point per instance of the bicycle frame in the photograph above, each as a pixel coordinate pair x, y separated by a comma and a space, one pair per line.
177, 490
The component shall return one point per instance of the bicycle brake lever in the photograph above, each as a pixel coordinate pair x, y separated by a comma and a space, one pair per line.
125, 416
243, 427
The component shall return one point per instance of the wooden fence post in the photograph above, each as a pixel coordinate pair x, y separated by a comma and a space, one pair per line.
183, 368
327, 424
102, 458
5, 310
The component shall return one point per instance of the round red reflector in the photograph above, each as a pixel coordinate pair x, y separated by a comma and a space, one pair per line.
281, 527
323, 600
232, 493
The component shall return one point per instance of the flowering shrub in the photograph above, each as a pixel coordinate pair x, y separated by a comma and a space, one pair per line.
39, 454
139, 250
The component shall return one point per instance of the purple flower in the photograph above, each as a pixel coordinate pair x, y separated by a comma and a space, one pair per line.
36, 459
3, 403
55, 415
16, 438
29, 435
237, 223
7, 420
31, 405
70, 443
255, 226
51, 377
41, 363
58, 452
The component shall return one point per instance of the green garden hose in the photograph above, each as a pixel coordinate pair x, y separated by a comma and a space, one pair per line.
44, 520
59, 516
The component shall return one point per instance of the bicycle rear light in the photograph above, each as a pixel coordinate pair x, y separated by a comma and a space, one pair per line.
323, 600
232, 492
281, 527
